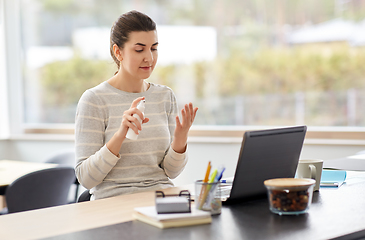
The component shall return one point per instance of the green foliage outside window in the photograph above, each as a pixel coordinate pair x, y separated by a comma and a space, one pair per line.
270, 70
64, 81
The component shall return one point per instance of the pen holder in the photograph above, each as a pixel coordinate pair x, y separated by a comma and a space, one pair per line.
207, 197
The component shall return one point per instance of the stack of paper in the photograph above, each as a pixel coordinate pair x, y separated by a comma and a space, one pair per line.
149, 215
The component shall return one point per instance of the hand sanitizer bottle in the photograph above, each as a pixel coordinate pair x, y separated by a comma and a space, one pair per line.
131, 134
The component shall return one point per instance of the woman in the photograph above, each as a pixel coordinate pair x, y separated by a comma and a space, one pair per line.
109, 164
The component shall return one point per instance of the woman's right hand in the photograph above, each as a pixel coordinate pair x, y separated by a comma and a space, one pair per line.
115, 143
128, 121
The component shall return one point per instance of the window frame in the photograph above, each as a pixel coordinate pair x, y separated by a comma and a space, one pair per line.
4, 121
354, 136
12, 106
12, 101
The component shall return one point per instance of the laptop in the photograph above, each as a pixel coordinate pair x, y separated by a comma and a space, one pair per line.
264, 154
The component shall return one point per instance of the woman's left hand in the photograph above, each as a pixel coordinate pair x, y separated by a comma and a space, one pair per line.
188, 114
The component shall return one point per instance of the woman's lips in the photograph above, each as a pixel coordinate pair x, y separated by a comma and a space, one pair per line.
145, 68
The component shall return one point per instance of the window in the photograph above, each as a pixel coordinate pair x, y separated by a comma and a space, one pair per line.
257, 62
4, 124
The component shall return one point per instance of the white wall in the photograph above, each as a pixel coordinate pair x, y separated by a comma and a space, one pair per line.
199, 154
32, 150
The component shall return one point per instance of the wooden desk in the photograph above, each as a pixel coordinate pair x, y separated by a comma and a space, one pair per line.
10, 170
334, 213
69, 218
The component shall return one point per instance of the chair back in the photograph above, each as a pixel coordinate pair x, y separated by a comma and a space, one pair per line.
84, 197
40, 189
64, 158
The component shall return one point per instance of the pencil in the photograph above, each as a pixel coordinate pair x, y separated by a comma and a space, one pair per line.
207, 172
205, 180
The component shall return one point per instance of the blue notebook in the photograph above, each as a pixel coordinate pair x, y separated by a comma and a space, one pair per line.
332, 178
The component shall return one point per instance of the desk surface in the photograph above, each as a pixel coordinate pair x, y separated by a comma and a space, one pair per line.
333, 213
10, 170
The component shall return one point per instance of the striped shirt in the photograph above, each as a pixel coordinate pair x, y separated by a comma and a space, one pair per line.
145, 164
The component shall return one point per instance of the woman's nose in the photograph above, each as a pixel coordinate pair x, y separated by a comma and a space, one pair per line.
148, 57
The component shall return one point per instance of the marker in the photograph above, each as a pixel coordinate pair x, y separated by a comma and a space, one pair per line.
214, 174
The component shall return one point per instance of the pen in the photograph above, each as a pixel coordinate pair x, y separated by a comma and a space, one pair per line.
219, 174
329, 184
225, 181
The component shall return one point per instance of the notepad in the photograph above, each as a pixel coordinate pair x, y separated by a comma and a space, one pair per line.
332, 178
149, 215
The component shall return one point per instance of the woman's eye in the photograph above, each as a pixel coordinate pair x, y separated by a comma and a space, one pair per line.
154, 49
139, 50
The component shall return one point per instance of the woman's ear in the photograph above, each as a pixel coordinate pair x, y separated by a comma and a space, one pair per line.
117, 52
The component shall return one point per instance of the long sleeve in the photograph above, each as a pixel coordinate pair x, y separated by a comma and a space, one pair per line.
174, 163
94, 160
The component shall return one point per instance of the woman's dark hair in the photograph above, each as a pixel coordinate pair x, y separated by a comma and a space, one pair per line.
132, 21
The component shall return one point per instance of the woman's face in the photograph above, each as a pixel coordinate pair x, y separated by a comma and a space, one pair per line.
139, 55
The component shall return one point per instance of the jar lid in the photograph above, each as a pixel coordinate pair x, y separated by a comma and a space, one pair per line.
289, 182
